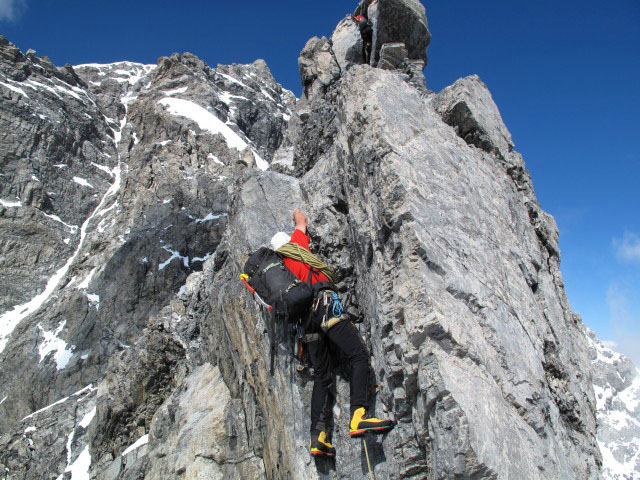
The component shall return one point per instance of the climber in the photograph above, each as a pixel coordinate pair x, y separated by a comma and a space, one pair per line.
363, 8
366, 32
326, 325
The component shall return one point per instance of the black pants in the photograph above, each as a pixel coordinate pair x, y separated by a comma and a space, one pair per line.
346, 338
366, 50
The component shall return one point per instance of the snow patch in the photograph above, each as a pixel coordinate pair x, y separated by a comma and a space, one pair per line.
266, 94
15, 89
201, 259
86, 420
233, 80
211, 156
52, 343
10, 204
89, 388
94, 299
30, 429
226, 97
2, 401
73, 229
80, 468
176, 91
82, 181
174, 254
208, 121
85, 283
139, 443
105, 169
107, 210
54, 89
210, 217
164, 143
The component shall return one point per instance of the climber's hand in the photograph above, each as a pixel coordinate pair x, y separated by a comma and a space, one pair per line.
300, 220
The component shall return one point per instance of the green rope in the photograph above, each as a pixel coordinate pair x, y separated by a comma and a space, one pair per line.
296, 252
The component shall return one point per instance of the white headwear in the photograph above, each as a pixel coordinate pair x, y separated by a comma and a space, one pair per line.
279, 239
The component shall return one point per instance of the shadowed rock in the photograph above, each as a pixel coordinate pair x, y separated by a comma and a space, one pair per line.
399, 21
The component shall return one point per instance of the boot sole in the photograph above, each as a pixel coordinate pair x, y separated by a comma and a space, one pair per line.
320, 453
376, 430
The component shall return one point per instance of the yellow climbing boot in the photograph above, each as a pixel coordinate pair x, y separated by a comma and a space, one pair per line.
362, 423
319, 446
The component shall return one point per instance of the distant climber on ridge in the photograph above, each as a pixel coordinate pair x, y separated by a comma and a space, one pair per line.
326, 325
366, 32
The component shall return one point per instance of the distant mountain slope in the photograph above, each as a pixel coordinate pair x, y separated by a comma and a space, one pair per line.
616, 381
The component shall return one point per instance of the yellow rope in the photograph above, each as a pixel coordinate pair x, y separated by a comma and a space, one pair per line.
295, 251
366, 452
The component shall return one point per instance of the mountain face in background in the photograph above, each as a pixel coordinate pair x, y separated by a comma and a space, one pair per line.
131, 196
617, 386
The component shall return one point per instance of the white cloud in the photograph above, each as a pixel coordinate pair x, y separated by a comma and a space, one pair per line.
625, 320
11, 9
628, 249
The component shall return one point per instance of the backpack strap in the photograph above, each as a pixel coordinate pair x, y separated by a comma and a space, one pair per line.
311, 337
319, 286
270, 266
272, 340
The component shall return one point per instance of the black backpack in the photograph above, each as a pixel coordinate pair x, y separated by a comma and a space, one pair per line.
277, 286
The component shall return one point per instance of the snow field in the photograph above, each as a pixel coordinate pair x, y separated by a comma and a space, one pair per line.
208, 121
52, 343
139, 443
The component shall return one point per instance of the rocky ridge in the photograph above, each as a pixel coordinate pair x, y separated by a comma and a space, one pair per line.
418, 199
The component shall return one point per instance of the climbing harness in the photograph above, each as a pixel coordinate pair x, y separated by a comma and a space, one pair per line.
331, 307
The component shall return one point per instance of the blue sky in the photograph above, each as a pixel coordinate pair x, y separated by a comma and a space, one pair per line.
564, 75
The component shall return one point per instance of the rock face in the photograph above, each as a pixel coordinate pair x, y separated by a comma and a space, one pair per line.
153, 360
468, 107
57, 163
398, 21
346, 43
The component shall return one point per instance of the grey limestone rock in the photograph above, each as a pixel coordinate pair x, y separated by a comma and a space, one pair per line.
346, 44
200, 433
399, 21
317, 65
158, 217
56, 163
50, 441
393, 56
467, 106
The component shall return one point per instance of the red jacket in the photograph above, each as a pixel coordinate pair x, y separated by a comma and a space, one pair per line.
299, 269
